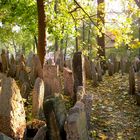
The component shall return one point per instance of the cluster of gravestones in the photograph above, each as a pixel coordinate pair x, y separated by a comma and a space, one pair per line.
17, 78
47, 100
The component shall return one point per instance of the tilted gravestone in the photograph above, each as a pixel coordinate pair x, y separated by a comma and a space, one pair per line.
78, 72
38, 98
4, 61
12, 67
94, 74
51, 79
76, 123
131, 80
88, 68
12, 113
68, 82
55, 114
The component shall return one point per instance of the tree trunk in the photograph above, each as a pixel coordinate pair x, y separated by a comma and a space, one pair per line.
101, 21
76, 38
41, 49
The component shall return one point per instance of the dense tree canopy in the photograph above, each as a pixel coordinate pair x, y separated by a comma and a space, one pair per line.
70, 25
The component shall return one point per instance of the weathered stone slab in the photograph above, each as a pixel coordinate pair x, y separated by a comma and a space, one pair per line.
88, 68
110, 68
88, 101
51, 80
38, 98
131, 80
68, 82
76, 123
55, 113
94, 74
12, 113
78, 71
4, 61
59, 59
68, 63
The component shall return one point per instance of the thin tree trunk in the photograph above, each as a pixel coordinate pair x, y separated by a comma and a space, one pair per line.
65, 52
89, 41
41, 49
101, 21
76, 38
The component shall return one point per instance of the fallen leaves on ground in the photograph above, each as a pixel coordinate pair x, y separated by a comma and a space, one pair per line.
115, 114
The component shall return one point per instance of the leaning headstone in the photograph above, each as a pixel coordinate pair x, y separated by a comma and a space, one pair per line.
4, 61
4, 137
68, 82
78, 71
94, 74
131, 80
12, 113
51, 79
38, 97
99, 71
88, 68
55, 114
76, 123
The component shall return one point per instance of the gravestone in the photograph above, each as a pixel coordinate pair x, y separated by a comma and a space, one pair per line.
88, 101
136, 64
59, 59
131, 80
55, 114
76, 123
12, 67
68, 82
99, 71
12, 113
68, 63
38, 97
78, 72
110, 68
34, 64
94, 74
88, 68
4, 61
51, 80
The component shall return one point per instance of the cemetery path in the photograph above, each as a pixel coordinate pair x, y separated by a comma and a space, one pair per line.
115, 115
